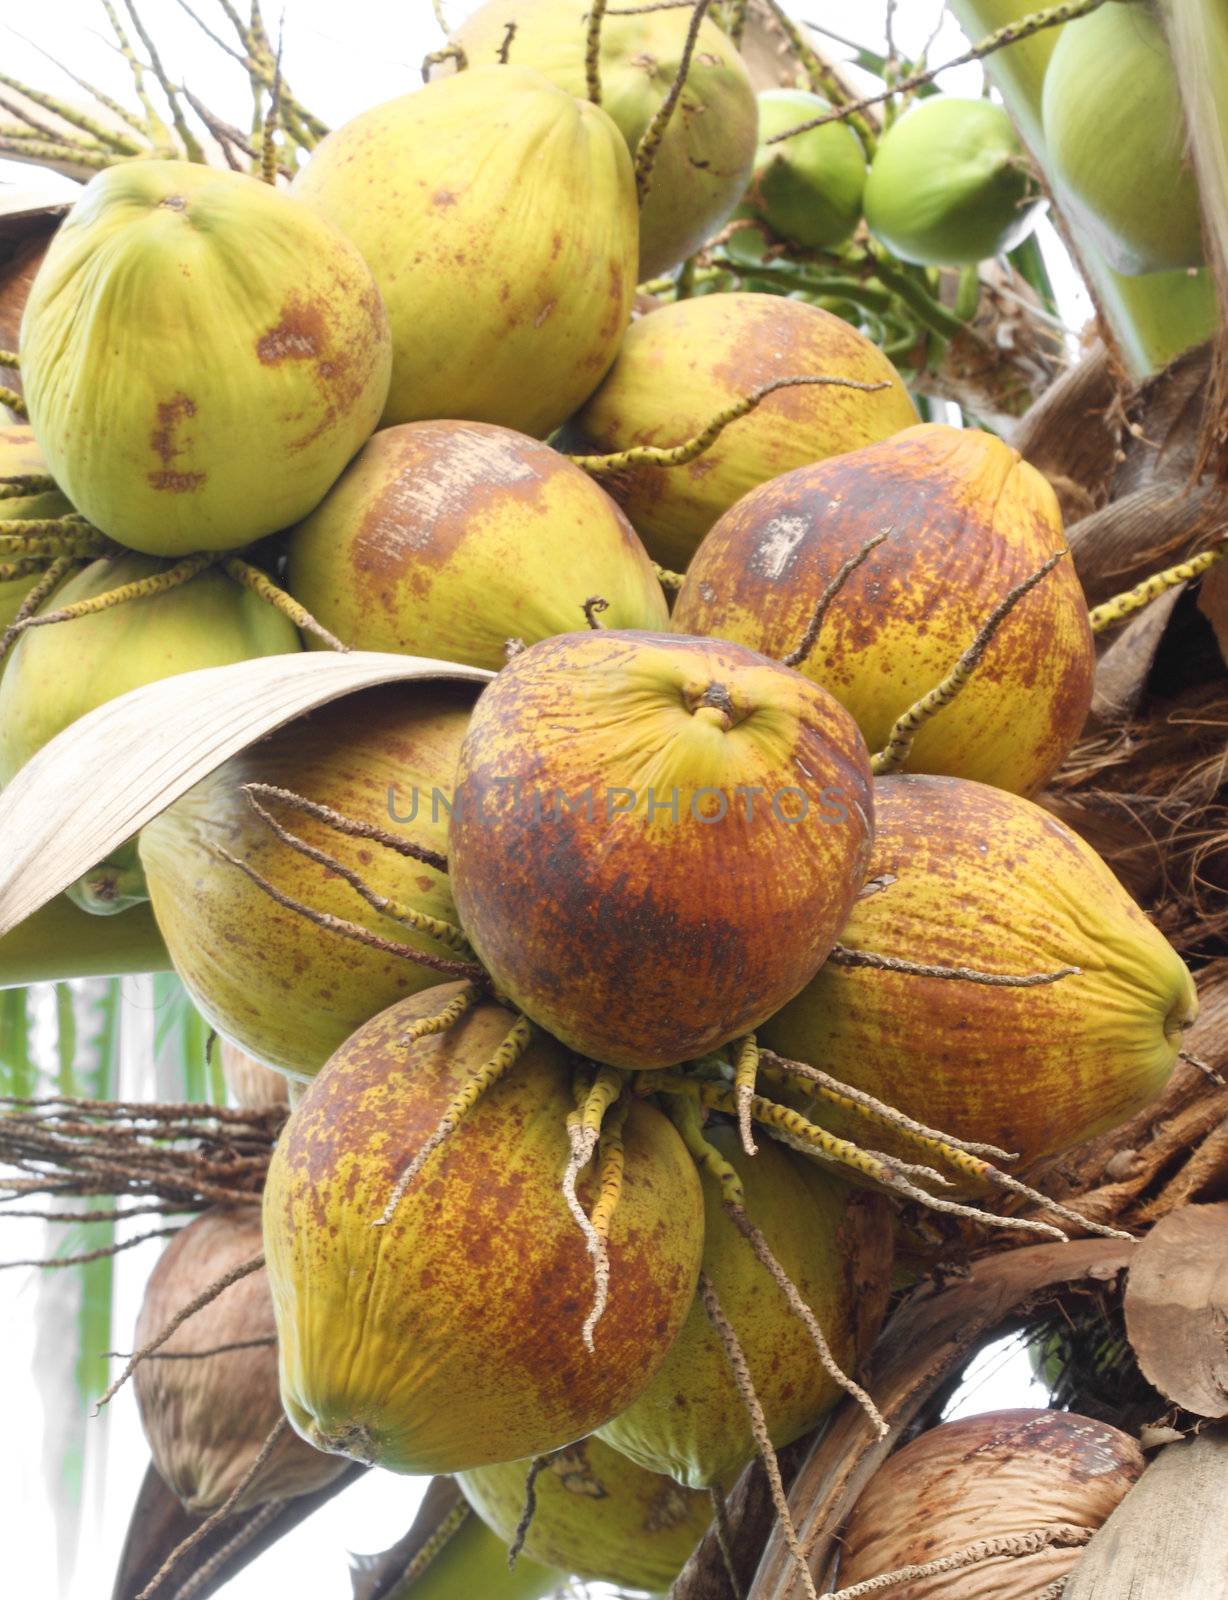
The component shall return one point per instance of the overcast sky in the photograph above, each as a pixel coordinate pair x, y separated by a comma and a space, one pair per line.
340, 56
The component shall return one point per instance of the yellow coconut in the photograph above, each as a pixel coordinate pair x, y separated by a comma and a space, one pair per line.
682, 365
449, 539
966, 519
691, 1422
705, 155
498, 216
450, 1337
974, 877
280, 986
597, 1515
201, 356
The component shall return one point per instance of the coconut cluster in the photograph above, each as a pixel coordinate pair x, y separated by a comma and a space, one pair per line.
628, 995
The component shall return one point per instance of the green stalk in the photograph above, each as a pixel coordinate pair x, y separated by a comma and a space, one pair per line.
1151, 318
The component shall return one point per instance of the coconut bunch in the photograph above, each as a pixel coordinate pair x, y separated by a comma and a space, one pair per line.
651, 900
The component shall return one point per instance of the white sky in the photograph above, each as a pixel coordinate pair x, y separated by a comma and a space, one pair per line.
340, 56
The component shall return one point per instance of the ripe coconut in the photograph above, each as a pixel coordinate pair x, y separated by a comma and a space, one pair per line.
705, 154
274, 982
687, 820
691, 1422
206, 1419
449, 539
464, 1310
681, 366
966, 520
951, 184
498, 216
974, 877
807, 189
19, 457
59, 672
597, 1515
234, 342
994, 1476
1116, 140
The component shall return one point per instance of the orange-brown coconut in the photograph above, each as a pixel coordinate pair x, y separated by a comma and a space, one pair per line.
449, 539
681, 366
966, 520
206, 1420
658, 839
988, 1477
451, 1337
598, 1515
970, 876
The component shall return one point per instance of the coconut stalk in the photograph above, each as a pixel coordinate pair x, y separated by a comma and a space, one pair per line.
1151, 318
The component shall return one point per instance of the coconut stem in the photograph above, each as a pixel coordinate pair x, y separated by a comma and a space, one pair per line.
736, 1358
10, 397
272, 122
842, 955
1120, 606
201, 1355
671, 582
449, 1526
16, 485
349, 826
204, 1298
353, 930
592, 51
436, 58
260, 583
203, 1575
810, 638
593, 606
427, 1027
530, 1508
646, 150
1035, 22
10, 358
745, 1075
445, 933
678, 455
594, 1097
191, 147
1062, 1536
720, 1521
94, 1255
823, 80
504, 1058
892, 757
278, 1431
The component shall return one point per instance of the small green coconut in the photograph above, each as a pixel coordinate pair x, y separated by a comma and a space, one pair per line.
1116, 138
950, 184
808, 189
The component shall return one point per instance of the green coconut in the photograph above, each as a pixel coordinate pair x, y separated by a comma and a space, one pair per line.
1116, 139
449, 539
472, 1565
951, 184
201, 355
58, 673
597, 1515
808, 189
283, 988
21, 457
504, 242
691, 1422
706, 152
